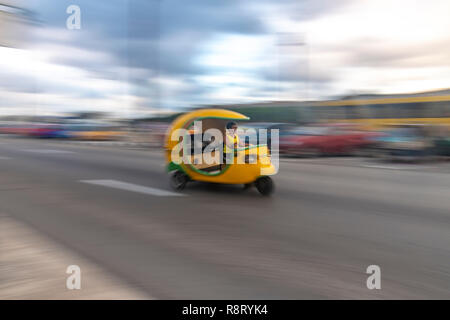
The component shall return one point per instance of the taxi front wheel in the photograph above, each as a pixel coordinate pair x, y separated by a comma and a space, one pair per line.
265, 185
178, 180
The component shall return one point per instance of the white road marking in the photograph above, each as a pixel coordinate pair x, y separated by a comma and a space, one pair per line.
132, 187
47, 151
379, 167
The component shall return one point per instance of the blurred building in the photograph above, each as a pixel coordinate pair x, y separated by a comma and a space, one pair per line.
14, 23
432, 107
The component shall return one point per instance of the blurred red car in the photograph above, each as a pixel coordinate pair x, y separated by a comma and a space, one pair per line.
43, 131
317, 141
16, 129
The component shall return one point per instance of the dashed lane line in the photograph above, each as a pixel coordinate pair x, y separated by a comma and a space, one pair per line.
132, 187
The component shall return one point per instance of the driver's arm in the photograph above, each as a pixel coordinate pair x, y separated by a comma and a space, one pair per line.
239, 142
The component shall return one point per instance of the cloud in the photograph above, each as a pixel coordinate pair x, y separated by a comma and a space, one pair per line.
172, 54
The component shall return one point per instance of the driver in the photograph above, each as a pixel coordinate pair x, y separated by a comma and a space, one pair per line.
232, 142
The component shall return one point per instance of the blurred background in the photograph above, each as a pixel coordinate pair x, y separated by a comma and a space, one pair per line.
351, 85
134, 65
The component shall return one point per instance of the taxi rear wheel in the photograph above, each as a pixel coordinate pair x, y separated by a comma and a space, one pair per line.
178, 180
265, 185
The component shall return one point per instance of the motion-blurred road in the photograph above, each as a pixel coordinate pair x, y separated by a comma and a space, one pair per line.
328, 220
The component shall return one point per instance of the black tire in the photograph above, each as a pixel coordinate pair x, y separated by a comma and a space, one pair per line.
178, 180
265, 185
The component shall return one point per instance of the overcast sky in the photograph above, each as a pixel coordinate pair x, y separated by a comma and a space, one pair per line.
135, 56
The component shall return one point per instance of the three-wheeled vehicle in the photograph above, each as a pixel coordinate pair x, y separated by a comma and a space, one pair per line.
251, 164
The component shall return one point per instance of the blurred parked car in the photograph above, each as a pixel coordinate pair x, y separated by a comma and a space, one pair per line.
17, 129
442, 141
321, 140
282, 127
442, 146
44, 131
97, 132
404, 142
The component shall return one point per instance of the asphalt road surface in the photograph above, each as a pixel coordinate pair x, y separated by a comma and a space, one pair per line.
328, 220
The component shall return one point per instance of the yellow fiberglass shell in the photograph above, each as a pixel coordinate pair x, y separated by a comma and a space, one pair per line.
235, 173
187, 119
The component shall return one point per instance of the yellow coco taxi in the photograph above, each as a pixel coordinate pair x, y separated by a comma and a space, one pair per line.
194, 147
